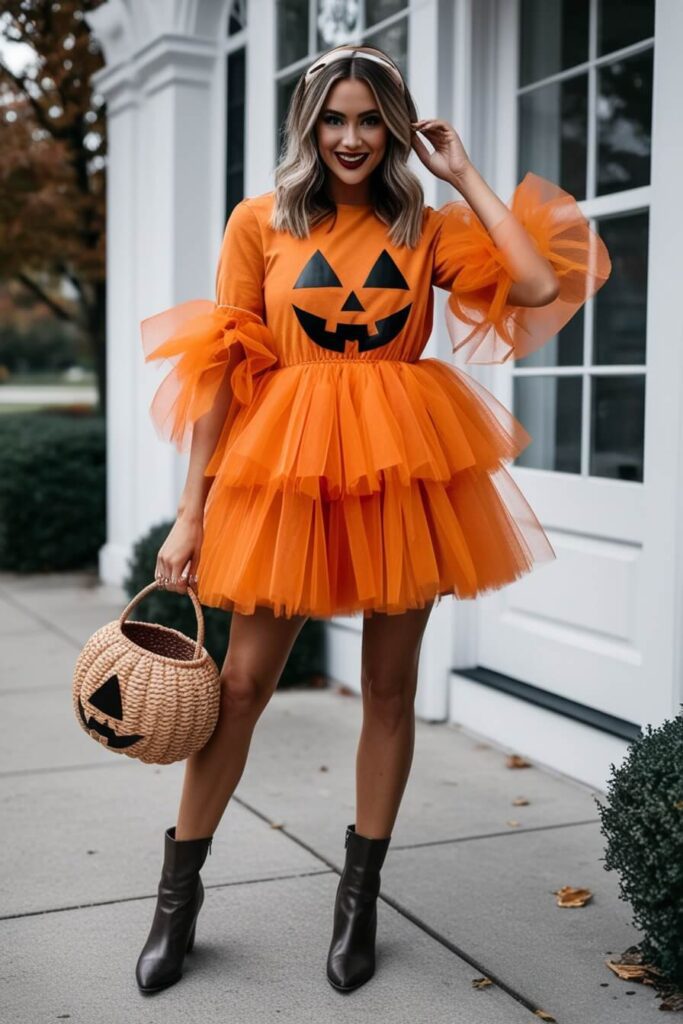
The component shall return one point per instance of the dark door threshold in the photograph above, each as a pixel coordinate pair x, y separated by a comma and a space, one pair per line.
552, 702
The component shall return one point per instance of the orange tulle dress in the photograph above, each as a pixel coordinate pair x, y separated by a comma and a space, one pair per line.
351, 475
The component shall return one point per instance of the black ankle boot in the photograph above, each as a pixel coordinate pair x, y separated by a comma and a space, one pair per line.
351, 957
180, 896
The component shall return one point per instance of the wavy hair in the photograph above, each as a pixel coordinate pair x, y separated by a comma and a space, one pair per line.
395, 192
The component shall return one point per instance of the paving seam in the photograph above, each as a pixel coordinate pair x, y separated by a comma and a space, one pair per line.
61, 768
22, 691
153, 896
497, 835
482, 970
39, 620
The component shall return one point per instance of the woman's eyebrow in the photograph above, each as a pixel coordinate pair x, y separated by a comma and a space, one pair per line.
329, 110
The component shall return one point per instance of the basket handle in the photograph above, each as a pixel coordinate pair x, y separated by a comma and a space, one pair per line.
199, 643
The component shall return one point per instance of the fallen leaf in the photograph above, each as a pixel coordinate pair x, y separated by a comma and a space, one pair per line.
520, 801
628, 972
277, 824
481, 982
568, 896
545, 1016
512, 823
632, 967
516, 761
679, 805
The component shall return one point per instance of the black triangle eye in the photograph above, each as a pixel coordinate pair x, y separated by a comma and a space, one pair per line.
107, 698
385, 274
317, 274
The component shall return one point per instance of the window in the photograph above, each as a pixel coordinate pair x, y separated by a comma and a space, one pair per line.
584, 121
235, 105
306, 28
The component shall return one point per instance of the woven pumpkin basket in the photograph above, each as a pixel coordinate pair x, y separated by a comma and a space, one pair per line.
147, 690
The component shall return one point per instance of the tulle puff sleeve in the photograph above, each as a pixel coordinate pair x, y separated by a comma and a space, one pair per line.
478, 272
204, 341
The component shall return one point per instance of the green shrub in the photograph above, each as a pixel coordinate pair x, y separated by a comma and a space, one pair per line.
46, 345
305, 665
52, 490
643, 824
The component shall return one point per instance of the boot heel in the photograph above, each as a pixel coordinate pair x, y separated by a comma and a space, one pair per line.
190, 938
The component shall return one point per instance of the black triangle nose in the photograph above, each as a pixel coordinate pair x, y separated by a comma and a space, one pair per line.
353, 302
107, 698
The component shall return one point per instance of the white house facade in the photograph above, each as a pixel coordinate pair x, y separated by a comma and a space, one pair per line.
569, 663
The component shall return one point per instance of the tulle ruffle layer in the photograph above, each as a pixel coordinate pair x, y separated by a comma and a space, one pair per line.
203, 341
388, 551
479, 318
358, 486
330, 429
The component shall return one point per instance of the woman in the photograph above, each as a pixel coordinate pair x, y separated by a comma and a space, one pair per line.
333, 471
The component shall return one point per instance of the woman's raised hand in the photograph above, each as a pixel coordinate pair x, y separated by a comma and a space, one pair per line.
179, 554
449, 158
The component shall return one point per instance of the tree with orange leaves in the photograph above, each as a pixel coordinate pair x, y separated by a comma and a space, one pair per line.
52, 165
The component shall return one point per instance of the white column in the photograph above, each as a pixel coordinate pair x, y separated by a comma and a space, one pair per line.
662, 576
123, 374
162, 243
431, 65
261, 109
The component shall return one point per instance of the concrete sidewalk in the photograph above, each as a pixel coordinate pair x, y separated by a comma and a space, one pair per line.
465, 894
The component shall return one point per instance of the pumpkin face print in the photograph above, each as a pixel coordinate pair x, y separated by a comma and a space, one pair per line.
145, 690
107, 700
384, 274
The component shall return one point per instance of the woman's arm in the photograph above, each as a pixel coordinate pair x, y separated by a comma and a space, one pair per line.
207, 430
535, 281
203, 389
178, 556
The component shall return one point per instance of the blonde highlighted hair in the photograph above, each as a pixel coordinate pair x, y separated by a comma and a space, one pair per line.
395, 192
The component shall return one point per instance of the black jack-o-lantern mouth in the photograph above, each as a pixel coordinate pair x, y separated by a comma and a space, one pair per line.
107, 698
317, 273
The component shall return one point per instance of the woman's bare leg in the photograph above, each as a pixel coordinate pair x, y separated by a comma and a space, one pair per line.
257, 653
390, 653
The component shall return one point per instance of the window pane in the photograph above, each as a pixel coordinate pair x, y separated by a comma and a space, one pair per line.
617, 421
621, 304
338, 22
624, 106
285, 88
235, 129
292, 31
553, 133
622, 22
553, 36
377, 10
565, 349
394, 41
238, 16
550, 409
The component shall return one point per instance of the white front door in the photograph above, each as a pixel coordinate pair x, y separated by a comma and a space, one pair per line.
576, 104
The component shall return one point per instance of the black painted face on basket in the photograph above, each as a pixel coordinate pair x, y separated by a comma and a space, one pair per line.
384, 274
107, 699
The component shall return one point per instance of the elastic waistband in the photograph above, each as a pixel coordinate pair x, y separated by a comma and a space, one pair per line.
342, 361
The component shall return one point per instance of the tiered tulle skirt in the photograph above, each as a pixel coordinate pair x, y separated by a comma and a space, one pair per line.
349, 486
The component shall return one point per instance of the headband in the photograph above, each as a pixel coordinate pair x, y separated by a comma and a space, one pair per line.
346, 51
